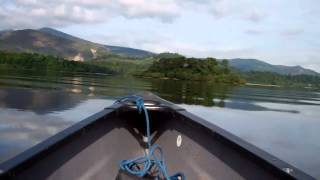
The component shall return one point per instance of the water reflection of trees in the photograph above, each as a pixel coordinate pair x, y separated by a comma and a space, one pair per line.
191, 92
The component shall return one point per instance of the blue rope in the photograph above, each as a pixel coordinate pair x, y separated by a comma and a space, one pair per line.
149, 160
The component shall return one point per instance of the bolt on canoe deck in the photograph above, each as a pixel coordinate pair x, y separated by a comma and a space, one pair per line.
93, 148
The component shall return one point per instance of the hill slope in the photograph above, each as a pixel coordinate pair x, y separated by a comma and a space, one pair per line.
126, 51
61, 34
129, 51
37, 41
52, 42
247, 65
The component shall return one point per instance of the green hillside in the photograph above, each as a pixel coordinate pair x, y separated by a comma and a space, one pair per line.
38, 62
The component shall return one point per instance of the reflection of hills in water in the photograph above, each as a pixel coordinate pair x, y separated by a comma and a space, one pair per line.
88, 84
179, 92
190, 92
38, 101
220, 95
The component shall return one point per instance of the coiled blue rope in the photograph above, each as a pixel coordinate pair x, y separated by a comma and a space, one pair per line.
142, 166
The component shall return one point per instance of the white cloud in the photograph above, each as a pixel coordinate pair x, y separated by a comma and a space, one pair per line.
256, 15
292, 32
150, 8
254, 31
59, 13
38, 13
220, 8
158, 43
240, 9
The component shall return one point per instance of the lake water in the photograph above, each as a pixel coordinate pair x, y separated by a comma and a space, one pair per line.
283, 122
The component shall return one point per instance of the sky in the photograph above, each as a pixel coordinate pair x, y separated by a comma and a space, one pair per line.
285, 32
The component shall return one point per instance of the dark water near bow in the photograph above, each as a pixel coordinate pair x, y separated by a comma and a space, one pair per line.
283, 122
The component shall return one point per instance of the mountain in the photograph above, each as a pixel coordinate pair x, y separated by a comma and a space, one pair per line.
61, 34
126, 51
53, 42
29, 40
129, 51
247, 65
5, 30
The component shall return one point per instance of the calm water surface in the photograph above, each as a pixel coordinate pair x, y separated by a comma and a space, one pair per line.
283, 122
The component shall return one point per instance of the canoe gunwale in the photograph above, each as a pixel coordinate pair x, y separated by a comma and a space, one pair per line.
8, 168
256, 154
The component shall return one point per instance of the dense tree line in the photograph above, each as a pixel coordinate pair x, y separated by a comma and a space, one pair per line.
40, 62
164, 65
124, 65
175, 66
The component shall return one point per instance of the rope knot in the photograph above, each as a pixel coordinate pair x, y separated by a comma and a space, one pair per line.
139, 104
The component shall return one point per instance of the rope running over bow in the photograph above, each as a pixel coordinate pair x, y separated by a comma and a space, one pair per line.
142, 166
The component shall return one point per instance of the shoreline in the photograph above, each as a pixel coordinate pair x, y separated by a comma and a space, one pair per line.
262, 85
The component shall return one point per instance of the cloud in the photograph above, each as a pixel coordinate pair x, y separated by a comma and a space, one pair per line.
158, 42
29, 14
292, 32
164, 9
59, 13
226, 8
199, 49
219, 8
256, 16
241, 9
253, 31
